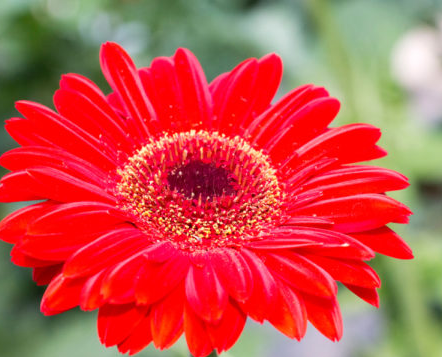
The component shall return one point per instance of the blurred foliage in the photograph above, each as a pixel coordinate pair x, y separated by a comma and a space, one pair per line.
345, 45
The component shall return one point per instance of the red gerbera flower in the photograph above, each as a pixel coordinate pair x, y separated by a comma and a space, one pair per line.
176, 206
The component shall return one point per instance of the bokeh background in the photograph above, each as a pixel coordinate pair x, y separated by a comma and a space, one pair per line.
381, 58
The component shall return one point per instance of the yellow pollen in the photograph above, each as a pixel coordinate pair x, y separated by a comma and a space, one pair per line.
200, 190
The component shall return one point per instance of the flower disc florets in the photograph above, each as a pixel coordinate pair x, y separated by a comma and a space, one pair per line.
201, 189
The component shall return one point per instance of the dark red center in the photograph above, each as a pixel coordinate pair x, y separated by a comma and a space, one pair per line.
201, 179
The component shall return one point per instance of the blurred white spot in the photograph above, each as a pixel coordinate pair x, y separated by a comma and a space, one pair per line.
417, 66
62, 9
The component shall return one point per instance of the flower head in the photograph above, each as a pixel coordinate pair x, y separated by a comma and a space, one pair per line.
175, 206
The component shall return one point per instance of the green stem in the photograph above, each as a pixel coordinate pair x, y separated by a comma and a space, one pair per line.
338, 56
213, 354
402, 281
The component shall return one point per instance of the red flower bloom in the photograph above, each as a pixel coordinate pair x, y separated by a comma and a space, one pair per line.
176, 206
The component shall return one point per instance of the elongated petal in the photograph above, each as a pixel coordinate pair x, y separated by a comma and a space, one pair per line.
91, 118
264, 294
23, 132
204, 292
14, 226
369, 295
167, 319
107, 250
139, 338
14, 187
245, 92
197, 337
21, 259
357, 180
359, 212
157, 279
325, 315
351, 272
118, 286
44, 275
120, 72
289, 315
62, 294
225, 333
234, 273
301, 273
116, 322
62, 133
320, 241
85, 87
38, 156
90, 295
285, 111
65, 228
383, 240
348, 144
46, 182
179, 92
320, 111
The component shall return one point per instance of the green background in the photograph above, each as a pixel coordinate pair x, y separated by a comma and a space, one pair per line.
344, 45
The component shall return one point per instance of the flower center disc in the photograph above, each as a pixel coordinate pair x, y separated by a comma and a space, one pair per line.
200, 190
198, 178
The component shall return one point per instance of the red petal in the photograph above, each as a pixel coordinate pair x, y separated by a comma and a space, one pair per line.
116, 322
296, 178
383, 240
23, 260
267, 126
49, 183
61, 294
91, 118
163, 90
197, 337
167, 319
234, 273
281, 244
325, 315
37, 156
245, 92
226, 332
289, 315
358, 213
299, 129
23, 132
44, 275
204, 291
196, 97
122, 75
14, 226
348, 271
15, 187
156, 280
348, 143
308, 221
90, 296
179, 92
356, 180
62, 133
262, 301
301, 273
318, 240
65, 228
369, 295
118, 286
139, 338
87, 88
105, 251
